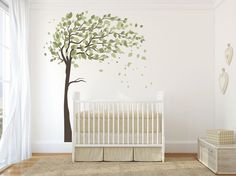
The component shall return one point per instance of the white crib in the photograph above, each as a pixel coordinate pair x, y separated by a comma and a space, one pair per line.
118, 131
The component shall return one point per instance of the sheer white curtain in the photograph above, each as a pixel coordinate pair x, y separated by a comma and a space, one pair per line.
15, 143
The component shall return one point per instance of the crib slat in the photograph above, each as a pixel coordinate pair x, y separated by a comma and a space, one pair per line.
118, 116
94, 123
142, 124
137, 110
88, 124
162, 132
118, 132
78, 123
113, 122
152, 124
147, 123
108, 128
132, 111
84, 123
123, 124
103, 123
157, 112
98, 109
127, 112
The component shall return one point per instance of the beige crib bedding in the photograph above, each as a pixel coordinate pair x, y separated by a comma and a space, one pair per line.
118, 154
154, 122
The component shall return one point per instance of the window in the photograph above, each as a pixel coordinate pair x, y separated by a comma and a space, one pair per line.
4, 61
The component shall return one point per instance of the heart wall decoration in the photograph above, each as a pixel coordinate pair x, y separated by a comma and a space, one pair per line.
223, 81
229, 52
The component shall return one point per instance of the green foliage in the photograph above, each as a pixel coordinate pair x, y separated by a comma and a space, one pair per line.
81, 36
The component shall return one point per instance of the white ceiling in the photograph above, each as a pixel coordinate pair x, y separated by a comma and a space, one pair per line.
199, 4
158, 1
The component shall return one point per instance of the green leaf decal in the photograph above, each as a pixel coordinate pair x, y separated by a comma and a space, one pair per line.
83, 56
113, 55
143, 58
69, 15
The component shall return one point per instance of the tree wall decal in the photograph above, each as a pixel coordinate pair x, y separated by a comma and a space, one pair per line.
81, 36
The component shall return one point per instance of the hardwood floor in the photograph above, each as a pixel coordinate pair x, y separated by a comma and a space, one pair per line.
19, 169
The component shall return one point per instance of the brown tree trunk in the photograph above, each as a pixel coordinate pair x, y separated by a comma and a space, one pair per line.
67, 125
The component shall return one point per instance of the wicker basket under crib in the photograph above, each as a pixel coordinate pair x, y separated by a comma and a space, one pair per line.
220, 136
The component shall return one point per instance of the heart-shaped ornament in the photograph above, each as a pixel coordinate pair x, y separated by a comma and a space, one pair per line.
223, 81
229, 52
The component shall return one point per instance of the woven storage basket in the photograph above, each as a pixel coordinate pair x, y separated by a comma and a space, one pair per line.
220, 136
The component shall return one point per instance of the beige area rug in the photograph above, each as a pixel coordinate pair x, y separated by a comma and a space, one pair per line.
62, 166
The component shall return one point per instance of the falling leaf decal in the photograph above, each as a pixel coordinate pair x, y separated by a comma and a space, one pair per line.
143, 58
129, 64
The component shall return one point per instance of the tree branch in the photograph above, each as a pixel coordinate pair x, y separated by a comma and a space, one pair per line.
80, 27
62, 55
68, 29
70, 58
77, 81
78, 42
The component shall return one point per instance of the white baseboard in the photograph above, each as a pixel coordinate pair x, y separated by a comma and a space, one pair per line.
60, 147
181, 146
51, 147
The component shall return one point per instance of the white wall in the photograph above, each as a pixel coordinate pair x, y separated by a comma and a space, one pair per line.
179, 44
225, 32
